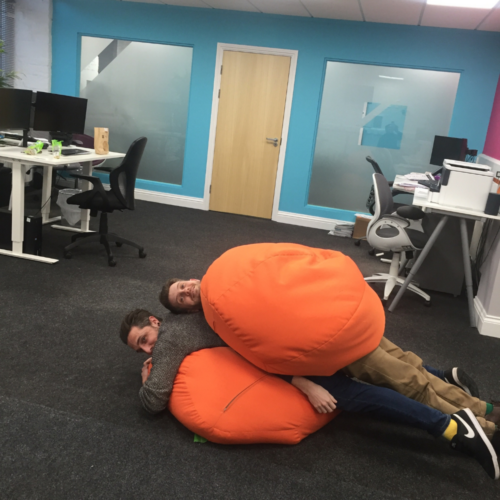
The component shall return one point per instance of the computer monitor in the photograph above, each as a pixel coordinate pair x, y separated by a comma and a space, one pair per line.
448, 148
61, 115
15, 111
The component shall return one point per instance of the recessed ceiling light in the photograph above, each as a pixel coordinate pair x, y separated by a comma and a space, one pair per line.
390, 77
471, 4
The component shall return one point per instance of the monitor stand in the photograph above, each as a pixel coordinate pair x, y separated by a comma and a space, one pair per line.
25, 138
65, 137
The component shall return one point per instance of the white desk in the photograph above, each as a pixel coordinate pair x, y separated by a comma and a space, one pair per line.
15, 158
446, 212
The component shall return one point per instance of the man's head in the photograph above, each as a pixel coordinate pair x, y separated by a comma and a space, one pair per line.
139, 330
181, 296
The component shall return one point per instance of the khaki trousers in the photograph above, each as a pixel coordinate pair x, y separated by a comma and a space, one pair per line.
389, 366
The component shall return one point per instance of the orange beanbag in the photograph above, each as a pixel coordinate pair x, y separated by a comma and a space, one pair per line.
222, 397
292, 309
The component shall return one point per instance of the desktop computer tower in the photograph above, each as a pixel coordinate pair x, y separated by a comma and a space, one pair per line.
32, 232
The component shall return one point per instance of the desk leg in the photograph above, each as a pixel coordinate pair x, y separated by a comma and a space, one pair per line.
467, 271
46, 194
87, 170
18, 174
419, 261
17, 199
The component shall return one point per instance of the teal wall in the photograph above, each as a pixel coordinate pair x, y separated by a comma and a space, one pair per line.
475, 54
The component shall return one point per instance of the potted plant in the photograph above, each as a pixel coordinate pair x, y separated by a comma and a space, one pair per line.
6, 77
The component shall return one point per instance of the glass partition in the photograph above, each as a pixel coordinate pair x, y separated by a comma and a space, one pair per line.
139, 89
390, 114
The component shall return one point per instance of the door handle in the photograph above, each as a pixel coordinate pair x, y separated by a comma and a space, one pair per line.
274, 140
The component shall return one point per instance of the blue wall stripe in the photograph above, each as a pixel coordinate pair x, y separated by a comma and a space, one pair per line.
475, 54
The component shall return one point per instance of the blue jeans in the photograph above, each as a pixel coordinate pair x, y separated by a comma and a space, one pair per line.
434, 371
383, 403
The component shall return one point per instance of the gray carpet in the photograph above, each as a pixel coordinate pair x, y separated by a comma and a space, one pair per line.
71, 422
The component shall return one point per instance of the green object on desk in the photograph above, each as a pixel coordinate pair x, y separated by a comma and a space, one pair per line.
199, 439
34, 149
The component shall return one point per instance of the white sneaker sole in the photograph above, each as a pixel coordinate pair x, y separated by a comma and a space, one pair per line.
457, 380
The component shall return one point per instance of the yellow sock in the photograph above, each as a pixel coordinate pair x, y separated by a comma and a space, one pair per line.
451, 430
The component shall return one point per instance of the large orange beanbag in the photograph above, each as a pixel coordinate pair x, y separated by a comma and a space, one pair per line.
220, 396
292, 309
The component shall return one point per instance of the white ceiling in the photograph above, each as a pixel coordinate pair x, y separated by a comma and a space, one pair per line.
411, 12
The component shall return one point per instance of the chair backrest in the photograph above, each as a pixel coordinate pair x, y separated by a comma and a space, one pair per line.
374, 164
122, 179
383, 199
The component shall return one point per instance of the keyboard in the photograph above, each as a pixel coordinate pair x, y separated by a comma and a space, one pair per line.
73, 151
11, 135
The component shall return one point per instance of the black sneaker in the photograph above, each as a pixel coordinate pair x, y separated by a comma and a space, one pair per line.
472, 440
495, 442
458, 377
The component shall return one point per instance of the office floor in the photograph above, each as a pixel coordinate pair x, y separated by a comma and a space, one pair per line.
71, 422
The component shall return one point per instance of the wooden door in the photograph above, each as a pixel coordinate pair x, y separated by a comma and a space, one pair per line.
251, 109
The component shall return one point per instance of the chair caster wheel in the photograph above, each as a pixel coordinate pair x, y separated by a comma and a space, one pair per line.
357, 243
427, 303
111, 262
142, 254
67, 254
371, 252
119, 244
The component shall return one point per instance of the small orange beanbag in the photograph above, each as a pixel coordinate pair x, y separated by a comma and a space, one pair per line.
222, 397
292, 309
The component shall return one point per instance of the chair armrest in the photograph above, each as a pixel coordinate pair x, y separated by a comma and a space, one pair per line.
98, 188
410, 212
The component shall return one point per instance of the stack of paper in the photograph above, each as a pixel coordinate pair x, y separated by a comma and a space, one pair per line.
343, 230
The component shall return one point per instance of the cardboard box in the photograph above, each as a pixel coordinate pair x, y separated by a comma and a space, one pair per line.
360, 227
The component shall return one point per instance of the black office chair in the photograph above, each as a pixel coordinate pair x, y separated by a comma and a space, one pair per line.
399, 232
119, 197
370, 203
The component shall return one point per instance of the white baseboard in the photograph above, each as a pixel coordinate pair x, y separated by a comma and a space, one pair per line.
167, 198
198, 203
170, 199
487, 325
306, 220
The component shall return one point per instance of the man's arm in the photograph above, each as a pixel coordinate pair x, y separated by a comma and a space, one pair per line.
318, 396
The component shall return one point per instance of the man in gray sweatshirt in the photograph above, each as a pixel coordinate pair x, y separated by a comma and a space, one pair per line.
169, 341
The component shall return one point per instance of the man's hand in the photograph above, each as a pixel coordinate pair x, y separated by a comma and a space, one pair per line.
145, 369
319, 397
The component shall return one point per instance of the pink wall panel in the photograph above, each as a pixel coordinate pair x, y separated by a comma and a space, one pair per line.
492, 144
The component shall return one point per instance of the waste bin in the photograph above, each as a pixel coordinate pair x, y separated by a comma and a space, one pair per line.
70, 213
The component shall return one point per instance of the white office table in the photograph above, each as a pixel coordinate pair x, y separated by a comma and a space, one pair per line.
15, 158
446, 212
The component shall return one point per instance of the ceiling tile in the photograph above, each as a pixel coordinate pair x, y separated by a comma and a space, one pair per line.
186, 3
492, 23
143, 1
453, 17
231, 5
393, 11
284, 7
334, 9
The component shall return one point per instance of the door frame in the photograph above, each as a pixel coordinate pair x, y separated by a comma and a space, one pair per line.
221, 47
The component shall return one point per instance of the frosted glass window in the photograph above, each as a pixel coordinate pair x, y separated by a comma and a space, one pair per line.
390, 114
139, 89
